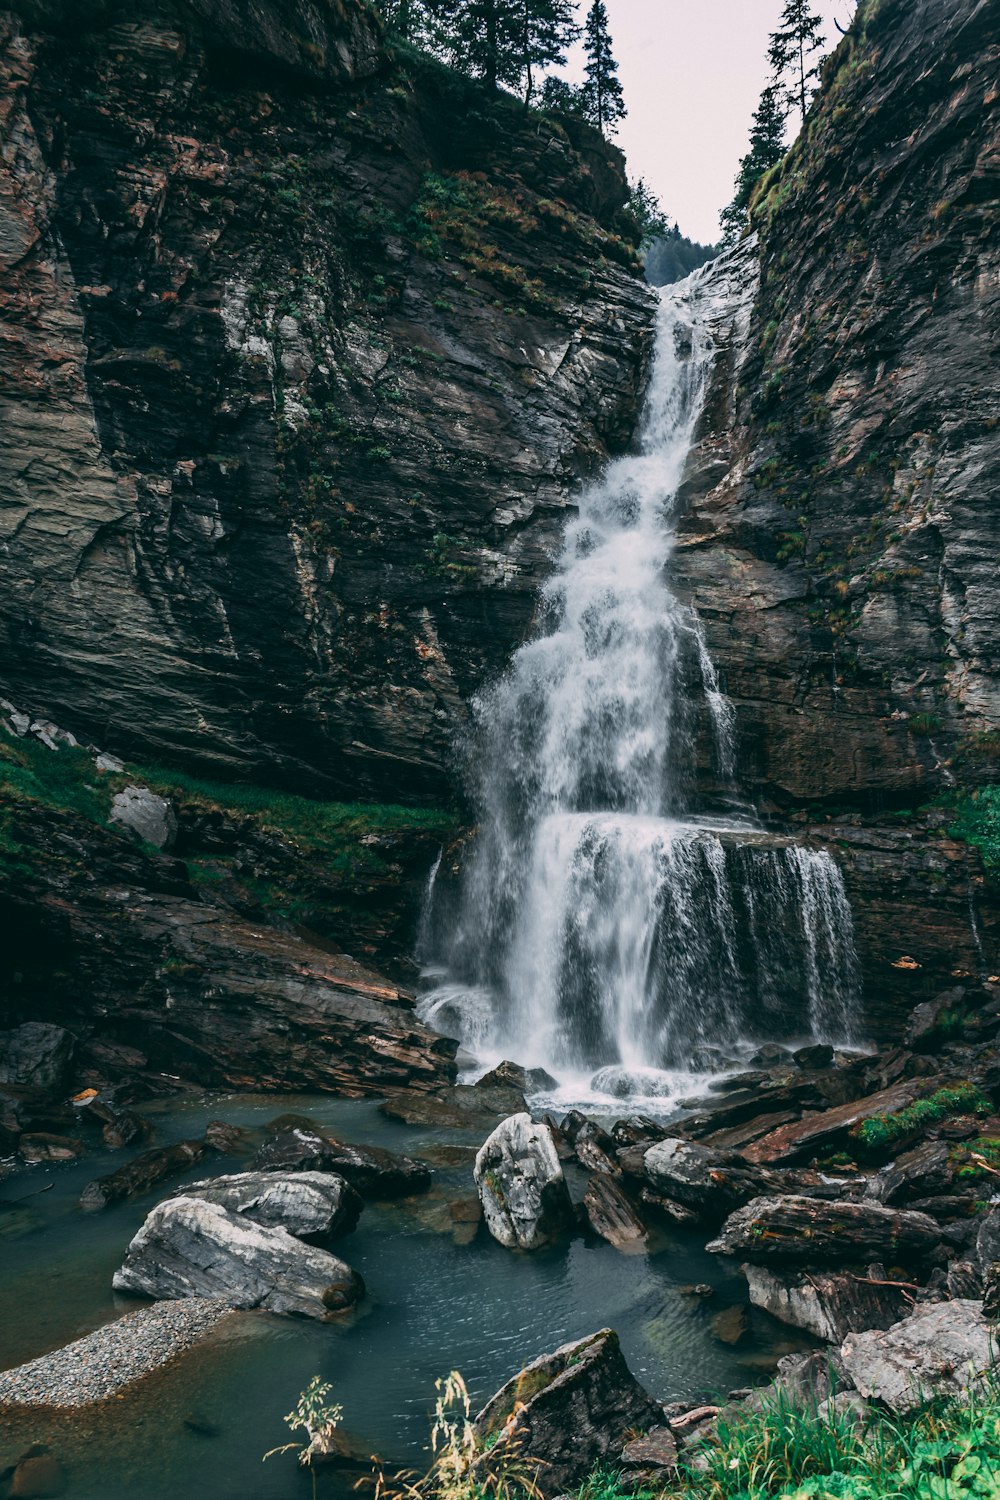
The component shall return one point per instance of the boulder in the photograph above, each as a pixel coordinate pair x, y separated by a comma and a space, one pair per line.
511, 1075
941, 1350
141, 1173
568, 1411
810, 1231
190, 1248
988, 1239
229, 1139
827, 1304
817, 1055
656, 1450
710, 1182
637, 1130
611, 1213
370, 1170
37, 1056
315, 1205
525, 1199
595, 1149
925, 1022
41, 1146
919, 1173
143, 813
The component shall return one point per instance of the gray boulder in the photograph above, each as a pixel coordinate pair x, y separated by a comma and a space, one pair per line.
709, 1182
316, 1205
146, 815
370, 1170
525, 1199
36, 1055
190, 1248
810, 1232
567, 1411
829, 1304
941, 1350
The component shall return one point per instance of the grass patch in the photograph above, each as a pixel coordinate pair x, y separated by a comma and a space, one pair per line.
880, 1131
947, 1451
346, 833
977, 822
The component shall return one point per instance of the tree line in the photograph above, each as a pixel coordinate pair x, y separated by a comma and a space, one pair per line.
510, 44
793, 56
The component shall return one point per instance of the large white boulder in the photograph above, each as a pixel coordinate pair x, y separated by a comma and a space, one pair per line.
190, 1248
525, 1199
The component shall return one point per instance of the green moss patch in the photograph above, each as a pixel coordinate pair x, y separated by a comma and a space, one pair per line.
878, 1132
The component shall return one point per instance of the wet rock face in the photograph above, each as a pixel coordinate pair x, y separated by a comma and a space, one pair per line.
309, 358
841, 537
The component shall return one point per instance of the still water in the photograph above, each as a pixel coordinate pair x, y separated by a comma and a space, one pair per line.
199, 1428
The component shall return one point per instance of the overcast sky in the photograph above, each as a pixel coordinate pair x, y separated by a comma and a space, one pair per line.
692, 71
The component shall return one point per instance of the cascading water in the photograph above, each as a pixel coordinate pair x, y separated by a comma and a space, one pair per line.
600, 928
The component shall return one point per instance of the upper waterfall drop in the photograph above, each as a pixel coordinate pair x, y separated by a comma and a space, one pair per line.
602, 924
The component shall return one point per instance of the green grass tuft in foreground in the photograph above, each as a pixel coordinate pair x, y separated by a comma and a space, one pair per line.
948, 1451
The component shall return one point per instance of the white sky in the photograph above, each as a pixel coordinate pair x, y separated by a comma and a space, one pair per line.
692, 71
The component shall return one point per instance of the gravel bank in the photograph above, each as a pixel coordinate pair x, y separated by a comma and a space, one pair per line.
112, 1357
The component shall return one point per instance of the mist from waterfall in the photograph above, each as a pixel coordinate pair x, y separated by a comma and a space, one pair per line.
602, 925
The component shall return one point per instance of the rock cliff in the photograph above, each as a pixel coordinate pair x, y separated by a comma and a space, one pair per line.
841, 535
306, 344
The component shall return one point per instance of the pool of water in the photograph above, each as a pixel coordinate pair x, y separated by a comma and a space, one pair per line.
199, 1428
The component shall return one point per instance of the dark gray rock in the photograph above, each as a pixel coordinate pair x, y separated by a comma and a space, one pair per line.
36, 1055
818, 1055
924, 1171
812, 1232
942, 1350
526, 1202
141, 1173
191, 1248
988, 1238
709, 1182
370, 1170
612, 1214
569, 1410
926, 1019
310, 1205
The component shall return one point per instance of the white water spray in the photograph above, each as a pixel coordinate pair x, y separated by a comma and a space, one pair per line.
600, 928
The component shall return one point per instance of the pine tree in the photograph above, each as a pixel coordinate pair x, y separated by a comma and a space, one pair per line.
767, 147
548, 27
605, 105
796, 40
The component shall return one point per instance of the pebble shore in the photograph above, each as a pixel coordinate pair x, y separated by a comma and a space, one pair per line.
113, 1357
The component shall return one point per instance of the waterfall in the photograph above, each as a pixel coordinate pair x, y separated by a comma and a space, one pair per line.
601, 925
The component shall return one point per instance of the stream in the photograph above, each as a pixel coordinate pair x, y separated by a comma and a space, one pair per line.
199, 1428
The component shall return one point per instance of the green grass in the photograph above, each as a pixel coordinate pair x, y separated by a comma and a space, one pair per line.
879, 1131
947, 1451
346, 833
977, 822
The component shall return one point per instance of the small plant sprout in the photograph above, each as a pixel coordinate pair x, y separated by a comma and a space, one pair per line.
319, 1418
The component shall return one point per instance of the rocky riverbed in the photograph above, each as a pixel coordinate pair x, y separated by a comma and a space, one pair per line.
803, 1200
